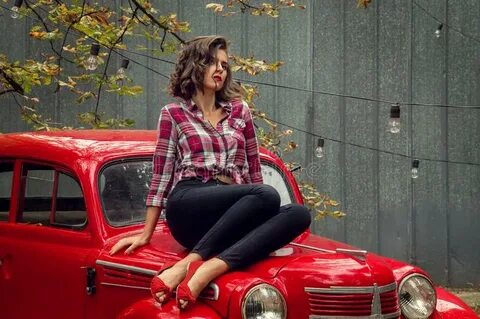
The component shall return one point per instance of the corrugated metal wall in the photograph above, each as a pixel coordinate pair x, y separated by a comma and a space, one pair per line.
387, 51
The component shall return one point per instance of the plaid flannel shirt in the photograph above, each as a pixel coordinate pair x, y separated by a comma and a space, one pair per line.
188, 145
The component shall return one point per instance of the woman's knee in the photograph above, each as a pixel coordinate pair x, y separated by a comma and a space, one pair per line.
268, 194
299, 215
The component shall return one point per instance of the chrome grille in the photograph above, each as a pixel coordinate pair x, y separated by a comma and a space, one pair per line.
354, 302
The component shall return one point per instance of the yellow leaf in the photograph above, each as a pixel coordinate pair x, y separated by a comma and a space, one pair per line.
69, 48
333, 203
38, 34
363, 3
216, 7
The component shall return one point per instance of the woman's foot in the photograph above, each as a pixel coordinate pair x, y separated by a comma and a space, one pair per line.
171, 276
198, 276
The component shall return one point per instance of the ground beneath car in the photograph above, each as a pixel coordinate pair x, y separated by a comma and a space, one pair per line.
470, 296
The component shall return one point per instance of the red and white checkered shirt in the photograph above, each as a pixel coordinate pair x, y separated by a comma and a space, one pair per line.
188, 145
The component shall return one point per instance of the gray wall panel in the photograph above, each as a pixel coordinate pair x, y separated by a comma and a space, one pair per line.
292, 106
464, 223
463, 143
361, 184
394, 207
430, 224
328, 111
260, 41
361, 189
428, 84
394, 204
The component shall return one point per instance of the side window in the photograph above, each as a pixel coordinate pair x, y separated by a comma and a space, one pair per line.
51, 198
6, 174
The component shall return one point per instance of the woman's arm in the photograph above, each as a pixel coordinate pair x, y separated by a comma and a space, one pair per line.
163, 161
163, 172
251, 147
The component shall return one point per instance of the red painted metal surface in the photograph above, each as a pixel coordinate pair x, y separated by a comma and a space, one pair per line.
43, 270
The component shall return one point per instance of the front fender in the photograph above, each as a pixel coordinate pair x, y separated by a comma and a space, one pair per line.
451, 307
148, 308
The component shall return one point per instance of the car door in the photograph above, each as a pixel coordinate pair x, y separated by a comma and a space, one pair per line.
44, 244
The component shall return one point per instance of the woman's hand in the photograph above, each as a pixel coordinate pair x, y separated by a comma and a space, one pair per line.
132, 242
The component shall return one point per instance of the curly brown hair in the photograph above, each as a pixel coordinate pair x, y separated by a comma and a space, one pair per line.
191, 64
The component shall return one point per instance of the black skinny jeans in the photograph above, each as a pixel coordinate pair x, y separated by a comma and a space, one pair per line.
240, 224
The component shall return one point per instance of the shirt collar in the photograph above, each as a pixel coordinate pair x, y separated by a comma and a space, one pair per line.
192, 107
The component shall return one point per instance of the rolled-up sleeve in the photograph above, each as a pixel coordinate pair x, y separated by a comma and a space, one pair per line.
251, 147
164, 160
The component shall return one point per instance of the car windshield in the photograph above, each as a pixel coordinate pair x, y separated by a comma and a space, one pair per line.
123, 188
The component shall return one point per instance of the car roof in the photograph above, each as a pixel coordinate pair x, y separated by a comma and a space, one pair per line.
69, 146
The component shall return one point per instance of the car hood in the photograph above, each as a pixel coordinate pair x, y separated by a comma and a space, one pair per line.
328, 259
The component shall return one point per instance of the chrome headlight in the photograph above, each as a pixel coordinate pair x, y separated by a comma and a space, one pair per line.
417, 297
264, 302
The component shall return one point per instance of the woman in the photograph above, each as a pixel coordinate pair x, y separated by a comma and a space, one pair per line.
207, 175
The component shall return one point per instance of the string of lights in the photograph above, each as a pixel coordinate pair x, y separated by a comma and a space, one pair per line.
322, 138
364, 98
319, 151
442, 24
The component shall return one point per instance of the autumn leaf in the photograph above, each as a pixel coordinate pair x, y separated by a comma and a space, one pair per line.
363, 3
51, 69
252, 66
101, 17
331, 202
69, 48
216, 7
37, 34
85, 96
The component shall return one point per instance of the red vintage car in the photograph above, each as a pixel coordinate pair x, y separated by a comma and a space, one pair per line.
67, 197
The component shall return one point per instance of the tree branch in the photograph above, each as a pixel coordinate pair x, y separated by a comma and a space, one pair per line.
131, 7
247, 5
163, 40
154, 20
68, 30
31, 118
16, 87
48, 30
7, 91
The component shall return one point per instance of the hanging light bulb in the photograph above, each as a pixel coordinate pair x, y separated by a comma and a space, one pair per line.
15, 8
415, 164
319, 152
394, 122
438, 32
92, 61
123, 68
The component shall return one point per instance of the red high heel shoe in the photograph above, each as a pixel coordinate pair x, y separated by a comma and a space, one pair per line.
157, 285
183, 291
